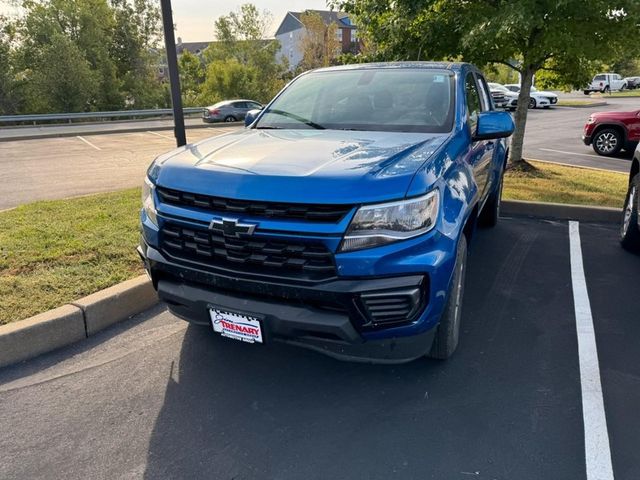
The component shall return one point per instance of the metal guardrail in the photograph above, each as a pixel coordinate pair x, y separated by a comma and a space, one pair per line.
69, 117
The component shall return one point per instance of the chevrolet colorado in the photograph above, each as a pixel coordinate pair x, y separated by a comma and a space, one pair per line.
339, 218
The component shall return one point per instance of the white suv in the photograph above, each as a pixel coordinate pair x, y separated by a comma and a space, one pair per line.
605, 83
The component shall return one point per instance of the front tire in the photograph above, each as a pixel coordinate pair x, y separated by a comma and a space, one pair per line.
532, 103
607, 142
491, 210
447, 335
629, 231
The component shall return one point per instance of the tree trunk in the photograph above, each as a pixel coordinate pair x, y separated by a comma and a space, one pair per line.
515, 152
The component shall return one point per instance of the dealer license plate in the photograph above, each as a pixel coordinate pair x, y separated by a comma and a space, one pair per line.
236, 326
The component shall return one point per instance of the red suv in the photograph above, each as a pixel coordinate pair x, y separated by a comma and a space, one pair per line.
609, 132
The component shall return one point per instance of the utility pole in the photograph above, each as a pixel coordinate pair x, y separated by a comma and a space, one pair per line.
174, 77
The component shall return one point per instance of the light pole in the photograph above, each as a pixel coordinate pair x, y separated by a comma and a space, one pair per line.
174, 77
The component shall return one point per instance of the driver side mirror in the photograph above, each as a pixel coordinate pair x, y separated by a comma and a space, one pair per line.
493, 125
251, 116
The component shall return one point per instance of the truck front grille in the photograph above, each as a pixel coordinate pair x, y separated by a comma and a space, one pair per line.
313, 212
259, 255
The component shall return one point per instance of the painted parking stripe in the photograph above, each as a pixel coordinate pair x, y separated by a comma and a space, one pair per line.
570, 153
596, 436
160, 135
88, 142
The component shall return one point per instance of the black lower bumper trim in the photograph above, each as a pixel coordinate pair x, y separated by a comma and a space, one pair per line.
324, 331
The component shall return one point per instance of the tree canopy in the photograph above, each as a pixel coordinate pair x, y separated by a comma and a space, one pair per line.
77, 55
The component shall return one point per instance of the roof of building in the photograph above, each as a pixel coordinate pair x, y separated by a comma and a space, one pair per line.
292, 21
192, 47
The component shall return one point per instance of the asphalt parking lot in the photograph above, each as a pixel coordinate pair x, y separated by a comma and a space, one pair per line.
153, 398
52, 168
555, 134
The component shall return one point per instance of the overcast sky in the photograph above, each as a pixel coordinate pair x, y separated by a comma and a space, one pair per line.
194, 18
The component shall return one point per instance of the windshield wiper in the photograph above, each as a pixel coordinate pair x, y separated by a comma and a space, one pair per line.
296, 117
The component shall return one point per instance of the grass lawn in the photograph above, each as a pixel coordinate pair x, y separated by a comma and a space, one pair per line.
57, 251
579, 103
561, 184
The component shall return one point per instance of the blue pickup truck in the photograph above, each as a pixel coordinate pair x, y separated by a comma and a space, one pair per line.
339, 218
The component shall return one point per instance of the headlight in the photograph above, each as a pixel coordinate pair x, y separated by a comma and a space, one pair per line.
148, 203
375, 225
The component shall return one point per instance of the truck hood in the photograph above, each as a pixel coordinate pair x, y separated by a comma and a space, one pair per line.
299, 166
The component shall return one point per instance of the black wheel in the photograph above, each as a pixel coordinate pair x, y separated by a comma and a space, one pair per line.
532, 103
630, 230
491, 211
448, 331
607, 142
230, 118
587, 92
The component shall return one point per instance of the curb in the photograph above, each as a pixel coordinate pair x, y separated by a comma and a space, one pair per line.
83, 318
560, 211
75, 321
591, 105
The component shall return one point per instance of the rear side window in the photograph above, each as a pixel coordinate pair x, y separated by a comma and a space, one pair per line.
240, 105
473, 101
598, 77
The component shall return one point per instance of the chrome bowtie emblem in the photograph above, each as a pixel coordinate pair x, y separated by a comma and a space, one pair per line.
230, 227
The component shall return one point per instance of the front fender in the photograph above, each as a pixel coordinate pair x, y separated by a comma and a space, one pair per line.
454, 177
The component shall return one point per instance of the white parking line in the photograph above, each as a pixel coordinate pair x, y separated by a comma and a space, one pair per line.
570, 153
88, 142
596, 436
160, 135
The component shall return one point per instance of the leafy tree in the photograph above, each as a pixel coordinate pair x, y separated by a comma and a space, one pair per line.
241, 46
228, 79
113, 37
62, 80
319, 44
10, 97
525, 35
136, 31
192, 75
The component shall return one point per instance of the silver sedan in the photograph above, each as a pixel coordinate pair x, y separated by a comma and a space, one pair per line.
229, 110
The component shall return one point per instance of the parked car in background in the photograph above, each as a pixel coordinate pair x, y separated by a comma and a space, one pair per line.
630, 228
229, 110
537, 98
605, 83
632, 82
503, 97
610, 132
339, 219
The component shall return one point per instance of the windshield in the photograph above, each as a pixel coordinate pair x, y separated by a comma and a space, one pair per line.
383, 99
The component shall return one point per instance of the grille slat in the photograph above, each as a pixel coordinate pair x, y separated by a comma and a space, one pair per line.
316, 212
293, 258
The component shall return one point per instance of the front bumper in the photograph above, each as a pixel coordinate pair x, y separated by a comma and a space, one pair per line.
586, 139
329, 316
331, 333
